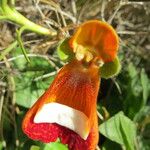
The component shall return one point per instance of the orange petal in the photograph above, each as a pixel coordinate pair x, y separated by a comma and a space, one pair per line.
97, 37
75, 86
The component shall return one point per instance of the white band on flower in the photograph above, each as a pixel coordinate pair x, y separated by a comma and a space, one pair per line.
64, 116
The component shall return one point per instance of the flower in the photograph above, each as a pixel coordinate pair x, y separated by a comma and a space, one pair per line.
67, 110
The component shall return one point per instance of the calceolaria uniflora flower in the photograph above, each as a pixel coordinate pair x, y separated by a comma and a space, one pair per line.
67, 109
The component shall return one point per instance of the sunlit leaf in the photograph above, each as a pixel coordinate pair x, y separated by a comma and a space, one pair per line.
56, 146
33, 147
120, 129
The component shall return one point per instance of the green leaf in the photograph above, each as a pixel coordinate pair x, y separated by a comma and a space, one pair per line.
135, 89
110, 69
21, 62
144, 144
64, 51
132, 71
34, 147
1, 145
27, 97
55, 146
28, 89
120, 129
109, 144
143, 120
145, 86
142, 115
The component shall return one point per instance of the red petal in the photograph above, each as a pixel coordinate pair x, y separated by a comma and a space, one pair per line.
47, 132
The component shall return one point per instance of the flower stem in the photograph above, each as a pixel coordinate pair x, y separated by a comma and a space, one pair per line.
19, 32
3, 3
3, 18
14, 16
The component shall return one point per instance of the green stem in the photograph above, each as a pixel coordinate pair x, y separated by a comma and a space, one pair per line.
3, 18
16, 17
3, 3
7, 50
21, 43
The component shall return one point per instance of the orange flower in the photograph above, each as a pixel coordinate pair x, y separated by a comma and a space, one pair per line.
67, 110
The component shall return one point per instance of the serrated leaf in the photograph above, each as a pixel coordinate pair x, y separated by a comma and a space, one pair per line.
110, 69
64, 51
120, 129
